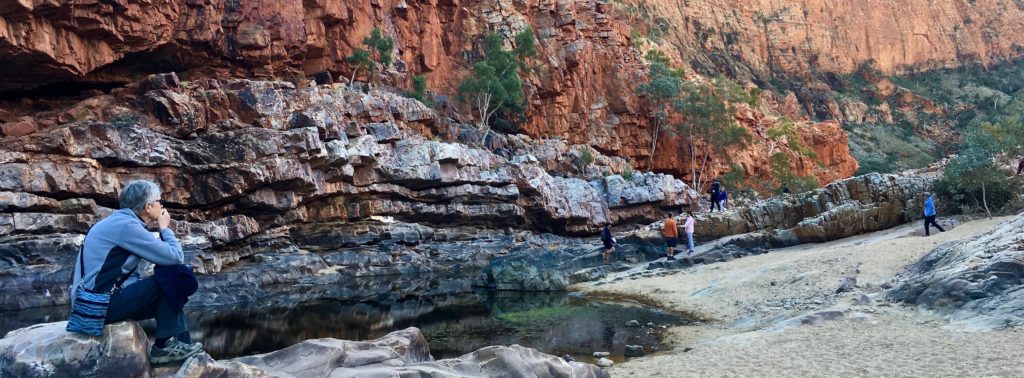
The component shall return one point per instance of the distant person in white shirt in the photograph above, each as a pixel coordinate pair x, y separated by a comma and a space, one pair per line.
688, 225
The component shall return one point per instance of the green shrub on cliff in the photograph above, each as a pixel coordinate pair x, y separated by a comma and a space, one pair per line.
419, 89
628, 174
583, 157
379, 52
709, 118
495, 87
663, 86
781, 168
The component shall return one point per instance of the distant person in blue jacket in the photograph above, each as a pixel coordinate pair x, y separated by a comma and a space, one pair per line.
929, 214
110, 257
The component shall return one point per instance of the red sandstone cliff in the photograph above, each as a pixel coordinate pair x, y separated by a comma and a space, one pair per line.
838, 36
587, 69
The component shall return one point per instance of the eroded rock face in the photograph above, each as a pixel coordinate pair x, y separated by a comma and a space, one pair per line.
976, 283
272, 185
800, 34
583, 87
46, 350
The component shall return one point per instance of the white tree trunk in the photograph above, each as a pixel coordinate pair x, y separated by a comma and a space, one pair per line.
984, 201
654, 143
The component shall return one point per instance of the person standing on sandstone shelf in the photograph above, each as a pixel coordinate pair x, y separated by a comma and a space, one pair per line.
716, 187
108, 263
671, 233
688, 227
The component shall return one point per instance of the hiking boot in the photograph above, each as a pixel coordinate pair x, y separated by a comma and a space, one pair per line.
173, 351
670, 258
690, 253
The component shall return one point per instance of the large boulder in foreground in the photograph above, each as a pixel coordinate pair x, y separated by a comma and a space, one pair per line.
46, 350
977, 283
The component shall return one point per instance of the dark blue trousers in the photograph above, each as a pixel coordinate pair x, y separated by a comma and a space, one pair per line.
144, 300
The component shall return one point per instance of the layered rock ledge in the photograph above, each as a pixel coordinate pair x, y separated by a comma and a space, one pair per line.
272, 185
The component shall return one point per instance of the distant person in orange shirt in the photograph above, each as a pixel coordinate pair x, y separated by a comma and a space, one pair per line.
671, 234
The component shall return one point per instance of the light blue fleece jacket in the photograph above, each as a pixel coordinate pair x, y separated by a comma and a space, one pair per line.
115, 245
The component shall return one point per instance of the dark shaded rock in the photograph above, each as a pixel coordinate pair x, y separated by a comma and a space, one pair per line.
847, 285
384, 132
634, 351
863, 300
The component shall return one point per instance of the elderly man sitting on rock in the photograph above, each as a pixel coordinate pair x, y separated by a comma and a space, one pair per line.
109, 260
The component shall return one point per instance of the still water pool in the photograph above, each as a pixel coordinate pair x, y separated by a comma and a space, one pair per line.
554, 323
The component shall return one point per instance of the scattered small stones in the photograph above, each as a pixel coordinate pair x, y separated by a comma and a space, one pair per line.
847, 285
634, 350
601, 354
650, 324
604, 362
632, 323
863, 300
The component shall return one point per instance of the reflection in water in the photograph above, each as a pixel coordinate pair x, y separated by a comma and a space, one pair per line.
453, 325
554, 323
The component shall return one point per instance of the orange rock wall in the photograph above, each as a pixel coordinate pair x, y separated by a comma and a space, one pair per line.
839, 35
585, 76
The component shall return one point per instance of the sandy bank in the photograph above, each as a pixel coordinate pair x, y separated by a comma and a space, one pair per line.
749, 301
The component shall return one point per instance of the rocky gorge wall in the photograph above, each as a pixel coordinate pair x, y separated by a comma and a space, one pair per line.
272, 185
838, 36
582, 88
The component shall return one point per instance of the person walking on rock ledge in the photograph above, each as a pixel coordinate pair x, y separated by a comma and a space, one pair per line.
688, 226
609, 243
929, 214
108, 263
671, 233
716, 187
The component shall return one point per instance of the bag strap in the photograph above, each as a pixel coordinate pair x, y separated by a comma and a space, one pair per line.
125, 278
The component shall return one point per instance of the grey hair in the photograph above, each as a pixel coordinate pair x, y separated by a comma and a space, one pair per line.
137, 193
